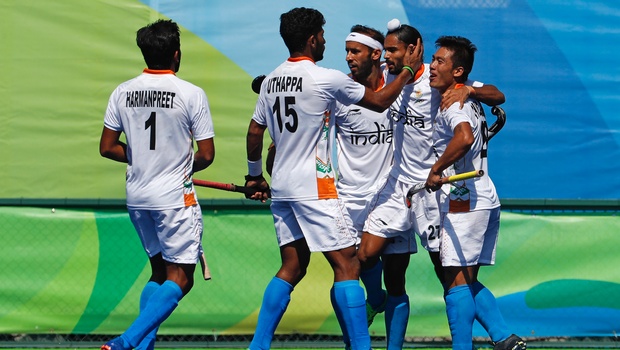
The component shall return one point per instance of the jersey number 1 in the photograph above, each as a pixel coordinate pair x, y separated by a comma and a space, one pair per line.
150, 123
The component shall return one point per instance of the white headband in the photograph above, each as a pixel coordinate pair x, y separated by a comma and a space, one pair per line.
365, 39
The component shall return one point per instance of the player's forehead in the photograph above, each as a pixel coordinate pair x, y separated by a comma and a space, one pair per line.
443, 53
392, 42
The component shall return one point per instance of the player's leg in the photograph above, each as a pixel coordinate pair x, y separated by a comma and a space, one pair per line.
397, 306
183, 248
349, 295
158, 277
487, 311
295, 257
460, 249
369, 254
460, 306
387, 220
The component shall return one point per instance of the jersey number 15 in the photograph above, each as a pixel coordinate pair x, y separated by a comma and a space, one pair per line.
289, 112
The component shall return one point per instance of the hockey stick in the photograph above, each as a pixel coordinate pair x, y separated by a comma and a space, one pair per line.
206, 273
444, 180
499, 123
256, 83
225, 187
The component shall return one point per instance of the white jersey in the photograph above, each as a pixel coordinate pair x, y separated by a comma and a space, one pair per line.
297, 102
364, 139
159, 114
413, 114
473, 194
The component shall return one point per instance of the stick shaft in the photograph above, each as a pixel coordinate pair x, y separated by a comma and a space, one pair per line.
224, 186
462, 176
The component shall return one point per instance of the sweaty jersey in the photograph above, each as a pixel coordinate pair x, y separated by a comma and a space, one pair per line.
297, 103
473, 194
159, 114
364, 139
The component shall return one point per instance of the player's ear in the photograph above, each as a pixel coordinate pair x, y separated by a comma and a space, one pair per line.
458, 72
376, 54
177, 60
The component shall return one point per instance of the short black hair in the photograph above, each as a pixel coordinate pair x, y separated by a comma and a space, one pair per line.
407, 34
297, 25
158, 42
462, 52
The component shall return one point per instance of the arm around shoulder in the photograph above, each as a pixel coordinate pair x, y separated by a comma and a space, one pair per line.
489, 95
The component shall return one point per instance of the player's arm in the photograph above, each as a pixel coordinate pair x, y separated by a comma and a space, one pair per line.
457, 148
204, 155
254, 148
379, 101
487, 94
110, 145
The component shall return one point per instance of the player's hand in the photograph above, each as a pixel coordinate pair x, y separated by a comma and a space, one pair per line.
433, 182
263, 192
414, 55
458, 94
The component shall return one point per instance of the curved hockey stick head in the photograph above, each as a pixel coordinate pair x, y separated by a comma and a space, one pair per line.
256, 83
499, 123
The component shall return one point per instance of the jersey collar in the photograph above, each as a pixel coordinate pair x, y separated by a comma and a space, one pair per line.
158, 71
300, 58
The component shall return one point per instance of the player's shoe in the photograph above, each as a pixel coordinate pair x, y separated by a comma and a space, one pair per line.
513, 342
372, 312
115, 344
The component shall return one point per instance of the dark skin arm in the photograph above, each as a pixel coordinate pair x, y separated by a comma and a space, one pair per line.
254, 146
204, 155
379, 101
487, 94
456, 149
110, 146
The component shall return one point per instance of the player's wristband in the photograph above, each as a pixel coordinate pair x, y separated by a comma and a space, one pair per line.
472, 92
255, 167
410, 70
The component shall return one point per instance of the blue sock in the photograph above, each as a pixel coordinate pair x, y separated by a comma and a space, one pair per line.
148, 343
461, 312
396, 319
340, 317
488, 314
160, 305
275, 301
375, 295
349, 297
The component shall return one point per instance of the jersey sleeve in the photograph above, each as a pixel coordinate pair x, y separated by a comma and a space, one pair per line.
346, 90
112, 118
456, 115
474, 83
259, 115
202, 123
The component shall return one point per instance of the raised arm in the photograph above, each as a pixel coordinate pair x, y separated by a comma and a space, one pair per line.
487, 94
379, 101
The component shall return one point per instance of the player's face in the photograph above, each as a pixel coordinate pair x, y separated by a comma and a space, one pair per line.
442, 72
359, 59
394, 53
319, 47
